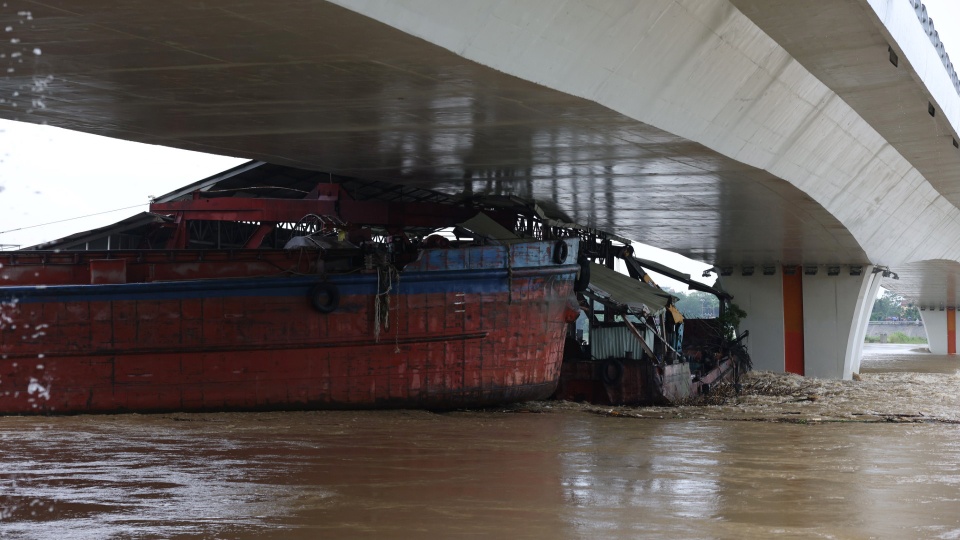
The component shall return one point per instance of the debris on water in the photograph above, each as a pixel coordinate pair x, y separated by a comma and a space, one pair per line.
901, 397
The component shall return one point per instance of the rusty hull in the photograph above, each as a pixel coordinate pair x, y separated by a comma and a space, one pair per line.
216, 330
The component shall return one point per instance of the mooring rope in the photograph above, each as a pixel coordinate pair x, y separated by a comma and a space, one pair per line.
387, 278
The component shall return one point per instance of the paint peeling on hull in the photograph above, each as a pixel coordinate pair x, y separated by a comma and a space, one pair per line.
461, 328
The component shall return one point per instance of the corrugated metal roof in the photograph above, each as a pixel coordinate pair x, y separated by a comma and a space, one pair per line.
626, 290
131, 225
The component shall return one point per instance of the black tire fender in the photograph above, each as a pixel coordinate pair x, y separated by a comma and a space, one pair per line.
324, 297
560, 252
611, 371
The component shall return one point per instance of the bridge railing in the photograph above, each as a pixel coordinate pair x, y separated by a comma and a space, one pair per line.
931, 30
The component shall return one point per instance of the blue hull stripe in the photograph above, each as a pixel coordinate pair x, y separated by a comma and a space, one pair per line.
465, 281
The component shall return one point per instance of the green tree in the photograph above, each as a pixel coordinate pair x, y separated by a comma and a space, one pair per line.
893, 306
697, 305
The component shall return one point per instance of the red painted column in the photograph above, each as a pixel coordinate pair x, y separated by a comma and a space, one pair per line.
793, 321
951, 331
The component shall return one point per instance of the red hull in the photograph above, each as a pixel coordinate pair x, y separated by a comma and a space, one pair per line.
465, 328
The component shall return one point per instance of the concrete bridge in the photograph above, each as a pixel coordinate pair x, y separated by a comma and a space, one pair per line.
808, 150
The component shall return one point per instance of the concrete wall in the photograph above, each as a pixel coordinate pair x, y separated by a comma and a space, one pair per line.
911, 329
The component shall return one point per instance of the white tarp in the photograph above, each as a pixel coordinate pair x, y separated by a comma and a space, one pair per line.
625, 290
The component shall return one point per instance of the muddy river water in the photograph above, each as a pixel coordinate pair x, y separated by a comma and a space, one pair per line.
789, 457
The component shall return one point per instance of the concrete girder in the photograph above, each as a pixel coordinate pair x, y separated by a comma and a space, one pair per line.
851, 46
318, 86
706, 72
930, 285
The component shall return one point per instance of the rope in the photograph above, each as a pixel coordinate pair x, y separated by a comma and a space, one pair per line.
73, 218
396, 332
387, 276
376, 311
509, 277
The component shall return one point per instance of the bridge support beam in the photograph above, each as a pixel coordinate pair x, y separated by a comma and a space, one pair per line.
941, 327
806, 320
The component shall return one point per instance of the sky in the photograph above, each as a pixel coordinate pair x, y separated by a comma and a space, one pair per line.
49, 174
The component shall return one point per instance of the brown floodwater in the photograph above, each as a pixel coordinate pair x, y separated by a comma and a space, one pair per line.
543, 471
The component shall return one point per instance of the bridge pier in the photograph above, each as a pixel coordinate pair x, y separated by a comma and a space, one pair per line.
941, 327
808, 320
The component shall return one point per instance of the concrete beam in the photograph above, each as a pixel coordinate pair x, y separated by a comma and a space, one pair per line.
704, 71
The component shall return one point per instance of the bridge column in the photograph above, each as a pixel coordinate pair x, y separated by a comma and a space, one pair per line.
941, 327
862, 317
810, 321
761, 296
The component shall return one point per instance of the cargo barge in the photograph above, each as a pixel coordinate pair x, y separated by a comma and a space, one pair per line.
272, 288
217, 300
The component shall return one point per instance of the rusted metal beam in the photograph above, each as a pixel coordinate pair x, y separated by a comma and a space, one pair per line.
407, 214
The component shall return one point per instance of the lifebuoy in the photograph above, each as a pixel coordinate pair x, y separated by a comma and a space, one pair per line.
611, 371
583, 276
560, 252
324, 297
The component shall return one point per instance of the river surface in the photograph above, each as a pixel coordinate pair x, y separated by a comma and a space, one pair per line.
788, 458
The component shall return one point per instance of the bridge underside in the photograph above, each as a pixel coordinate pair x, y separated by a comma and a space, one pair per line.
317, 86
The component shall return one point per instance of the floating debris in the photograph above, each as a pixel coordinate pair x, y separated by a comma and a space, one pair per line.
763, 396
